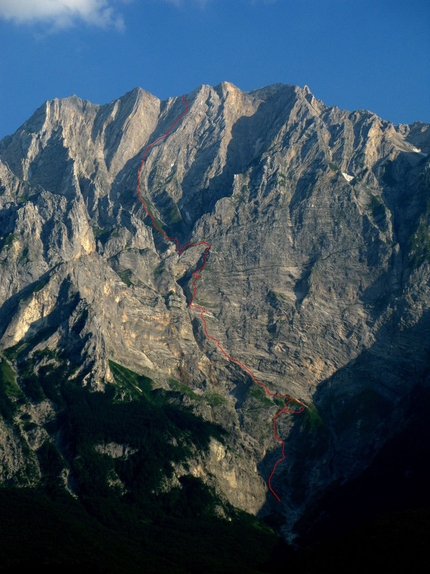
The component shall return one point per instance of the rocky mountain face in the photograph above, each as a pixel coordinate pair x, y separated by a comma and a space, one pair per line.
317, 280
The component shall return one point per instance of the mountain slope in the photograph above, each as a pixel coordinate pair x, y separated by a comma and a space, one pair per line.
317, 279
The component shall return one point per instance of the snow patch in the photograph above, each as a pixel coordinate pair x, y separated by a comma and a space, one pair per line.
347, 176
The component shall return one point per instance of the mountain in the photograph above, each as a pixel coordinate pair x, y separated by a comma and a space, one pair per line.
317, 282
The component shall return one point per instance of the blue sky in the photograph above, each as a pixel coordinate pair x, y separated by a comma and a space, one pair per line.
363, 54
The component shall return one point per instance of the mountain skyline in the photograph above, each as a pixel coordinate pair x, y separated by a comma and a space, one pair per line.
113, 387
86, 278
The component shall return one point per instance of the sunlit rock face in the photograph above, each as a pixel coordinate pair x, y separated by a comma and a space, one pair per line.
317, 278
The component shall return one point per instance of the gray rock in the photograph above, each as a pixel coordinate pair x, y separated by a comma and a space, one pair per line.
317, 278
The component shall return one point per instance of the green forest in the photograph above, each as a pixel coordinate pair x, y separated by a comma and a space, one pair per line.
118, 519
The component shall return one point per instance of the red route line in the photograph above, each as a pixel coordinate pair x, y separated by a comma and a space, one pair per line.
196, 275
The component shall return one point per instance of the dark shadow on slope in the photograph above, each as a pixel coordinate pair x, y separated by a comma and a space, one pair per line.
242, 382
11, 305
69, 304
396, 480
395, 542
49, 166
123, 196
406, 195
243, 152
367, 432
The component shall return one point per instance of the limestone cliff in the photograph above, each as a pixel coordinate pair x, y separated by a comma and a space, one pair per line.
317, 278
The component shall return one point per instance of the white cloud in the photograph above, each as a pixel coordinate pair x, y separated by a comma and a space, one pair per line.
62, 13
